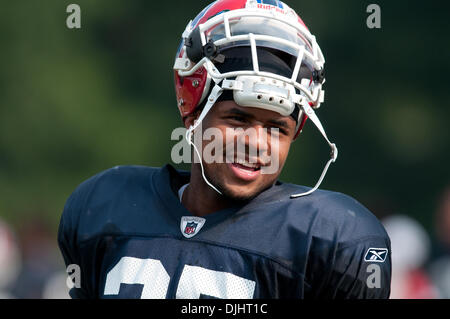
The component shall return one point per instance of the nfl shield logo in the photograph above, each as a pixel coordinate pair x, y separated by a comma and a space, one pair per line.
190, 228
191, 225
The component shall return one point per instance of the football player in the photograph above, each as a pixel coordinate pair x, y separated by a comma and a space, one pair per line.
229, 228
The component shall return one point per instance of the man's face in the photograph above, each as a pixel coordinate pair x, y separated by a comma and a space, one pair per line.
253, 149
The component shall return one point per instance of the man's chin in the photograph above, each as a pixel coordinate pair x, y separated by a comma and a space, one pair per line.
238, 196
240, 193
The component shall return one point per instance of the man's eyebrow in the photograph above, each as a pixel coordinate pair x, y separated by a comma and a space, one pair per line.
237, 111
279, 123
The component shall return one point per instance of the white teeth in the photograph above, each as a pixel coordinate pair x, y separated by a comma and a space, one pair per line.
247, 164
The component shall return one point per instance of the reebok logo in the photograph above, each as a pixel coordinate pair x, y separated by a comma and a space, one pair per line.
377, 255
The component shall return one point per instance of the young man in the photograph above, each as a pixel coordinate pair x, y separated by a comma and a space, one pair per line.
229, 228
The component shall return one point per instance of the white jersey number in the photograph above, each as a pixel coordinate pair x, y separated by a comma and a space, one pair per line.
194, 281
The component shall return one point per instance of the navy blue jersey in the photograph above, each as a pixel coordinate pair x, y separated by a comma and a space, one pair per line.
132, 238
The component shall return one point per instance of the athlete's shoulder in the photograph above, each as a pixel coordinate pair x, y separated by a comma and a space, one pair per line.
335, 213
119, 186
112, 180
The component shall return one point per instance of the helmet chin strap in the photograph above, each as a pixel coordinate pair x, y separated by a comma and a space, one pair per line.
334, 151
215, 93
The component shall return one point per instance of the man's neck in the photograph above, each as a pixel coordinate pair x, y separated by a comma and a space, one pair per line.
200, 199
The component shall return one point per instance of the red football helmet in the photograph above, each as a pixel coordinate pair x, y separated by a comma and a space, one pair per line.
277, 32
258, 53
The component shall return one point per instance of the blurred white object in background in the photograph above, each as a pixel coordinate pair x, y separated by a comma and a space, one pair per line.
9, 256
10, 259
410, 245
56, 287
409, 241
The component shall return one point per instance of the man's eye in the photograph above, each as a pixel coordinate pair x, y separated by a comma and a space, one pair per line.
237, 118
277, 130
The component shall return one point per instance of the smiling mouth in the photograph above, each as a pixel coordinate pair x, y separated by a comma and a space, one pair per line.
245, 165
244, 170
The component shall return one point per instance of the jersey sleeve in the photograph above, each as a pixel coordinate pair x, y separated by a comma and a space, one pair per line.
361, 270
353, 259
67, 241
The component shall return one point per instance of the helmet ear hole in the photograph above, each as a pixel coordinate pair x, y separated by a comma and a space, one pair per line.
194, 48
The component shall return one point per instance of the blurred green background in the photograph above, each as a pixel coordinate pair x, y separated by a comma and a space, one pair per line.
74, 102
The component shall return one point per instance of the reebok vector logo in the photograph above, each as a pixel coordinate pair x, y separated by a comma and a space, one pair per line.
377, 255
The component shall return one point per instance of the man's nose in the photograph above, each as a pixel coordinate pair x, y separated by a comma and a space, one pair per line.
255, 139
